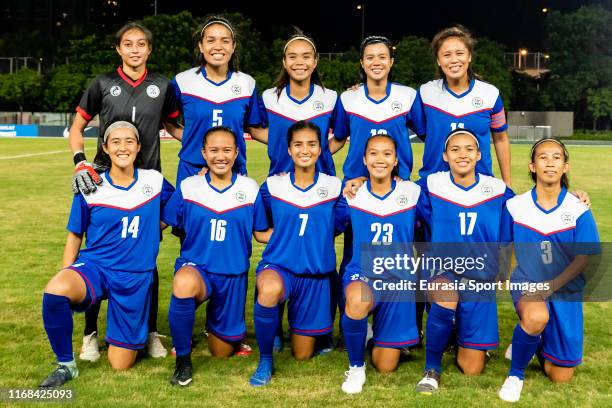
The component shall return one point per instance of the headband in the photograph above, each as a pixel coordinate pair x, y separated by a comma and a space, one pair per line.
375, 39
459, 132
546, 139
217, 21
299, 37
121, 124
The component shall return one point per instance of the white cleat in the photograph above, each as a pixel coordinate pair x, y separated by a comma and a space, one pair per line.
511, 390
90, 351
355, 378
155, 348
508, 353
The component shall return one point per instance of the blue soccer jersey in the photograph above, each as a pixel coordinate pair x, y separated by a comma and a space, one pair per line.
467, 214
438, 111
304, 223
232, 103
283, 111
218, 223
546, 241
121, 224
381, 220
361, 117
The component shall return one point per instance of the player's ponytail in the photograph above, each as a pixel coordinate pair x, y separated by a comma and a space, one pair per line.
462, 34
564, 177
198, 36
283, 78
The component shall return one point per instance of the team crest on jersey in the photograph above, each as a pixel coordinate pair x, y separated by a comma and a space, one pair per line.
402, 200
486, 190
115, 90
240, 196
147, 190
236, 89
477, 102
153, 91
322, 192
567, 218
396, 106
317, 106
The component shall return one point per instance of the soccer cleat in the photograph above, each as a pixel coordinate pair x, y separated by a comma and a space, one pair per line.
155, 348
263, 374
183, 372
278, 345
90, 350
355, 378
511, 390
429, 383
61, 374
508, 353
243, 350
324, 345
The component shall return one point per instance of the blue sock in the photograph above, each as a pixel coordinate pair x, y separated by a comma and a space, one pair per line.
438, 327
266, 324
281, 313
524, 347
57, 319
181, 317
355, 332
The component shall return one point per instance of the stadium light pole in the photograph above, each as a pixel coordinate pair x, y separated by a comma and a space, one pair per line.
361, 7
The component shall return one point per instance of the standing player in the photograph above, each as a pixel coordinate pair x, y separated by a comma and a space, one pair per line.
298, 95
215, 94
458, 99
145, 99
462, 206
121, 220
383, 211
553, 234
299, 260
218, 213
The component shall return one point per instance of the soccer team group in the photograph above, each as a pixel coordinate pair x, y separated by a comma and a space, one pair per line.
122, 202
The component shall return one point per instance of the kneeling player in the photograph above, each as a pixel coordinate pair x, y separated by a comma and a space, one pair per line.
553, 234
462, 206
121, 220
217, 211
383, 211
299, 260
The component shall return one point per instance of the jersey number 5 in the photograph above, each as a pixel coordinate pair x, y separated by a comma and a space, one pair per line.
130, 227
217, 120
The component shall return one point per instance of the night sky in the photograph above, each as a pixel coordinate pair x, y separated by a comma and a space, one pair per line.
336, 25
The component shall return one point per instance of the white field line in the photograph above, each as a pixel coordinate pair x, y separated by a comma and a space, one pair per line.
19, 156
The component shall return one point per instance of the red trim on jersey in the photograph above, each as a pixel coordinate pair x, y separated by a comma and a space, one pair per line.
173, 115
118, 343
380, 215
466, 343
396, 343
293, 329
456, 116
216, 103
374, 121
123, 208
129, 80
295, 120
299, 206
543, 233
215, 211
84, 114
463, 205
566, 362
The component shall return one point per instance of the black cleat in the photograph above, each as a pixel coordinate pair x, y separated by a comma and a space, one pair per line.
183, 373
58, 377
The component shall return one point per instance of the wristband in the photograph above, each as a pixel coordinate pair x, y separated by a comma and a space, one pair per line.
79, 157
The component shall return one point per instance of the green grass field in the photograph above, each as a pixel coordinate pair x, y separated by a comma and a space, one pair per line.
36, 196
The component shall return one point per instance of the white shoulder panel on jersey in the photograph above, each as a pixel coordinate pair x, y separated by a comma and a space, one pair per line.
321, 102
147, 187
488, 188
482, 97
243, 192
327, 188
525, 213
398, 103
403, 198
193, 83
